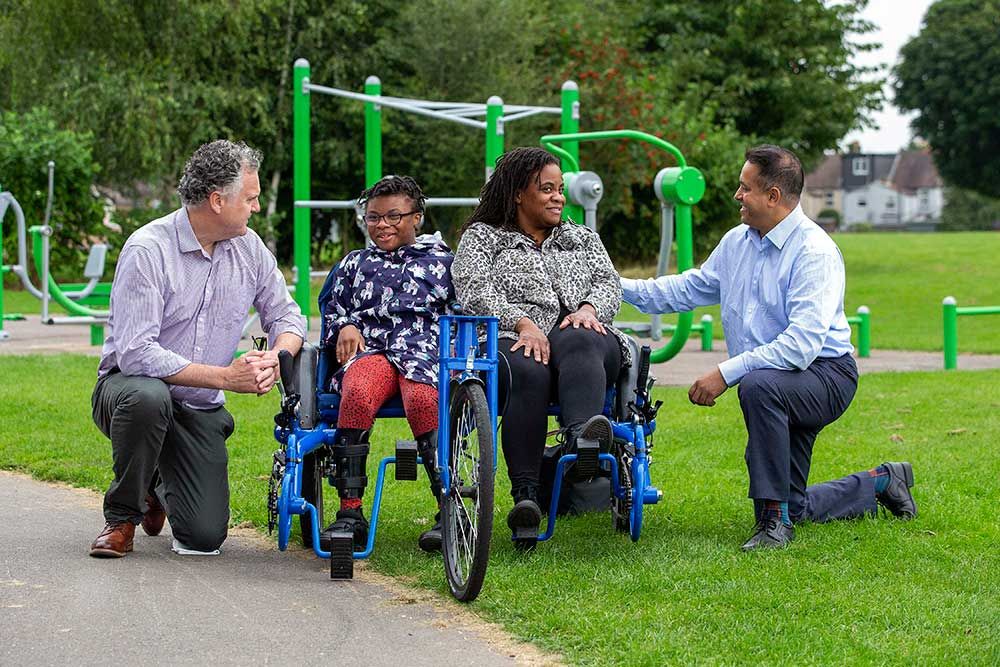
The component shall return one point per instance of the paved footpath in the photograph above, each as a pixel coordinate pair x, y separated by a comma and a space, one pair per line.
250, 605
33, 337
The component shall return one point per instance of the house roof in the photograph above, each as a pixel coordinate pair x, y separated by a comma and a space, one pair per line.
914, 170
826, 175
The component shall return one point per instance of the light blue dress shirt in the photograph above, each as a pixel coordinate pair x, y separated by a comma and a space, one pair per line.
782, 296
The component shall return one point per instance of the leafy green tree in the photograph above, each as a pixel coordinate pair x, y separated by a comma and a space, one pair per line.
27, 143
950, 75
969, 210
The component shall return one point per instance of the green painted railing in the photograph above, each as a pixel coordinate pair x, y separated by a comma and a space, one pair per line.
951, 313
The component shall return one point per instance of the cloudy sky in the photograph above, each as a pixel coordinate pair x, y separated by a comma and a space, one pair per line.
897, 21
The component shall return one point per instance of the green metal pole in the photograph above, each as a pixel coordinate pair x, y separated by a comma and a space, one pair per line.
97, 334
950, 308
373, 133
706, 333
571, 121
864, 332
494, 133
301, 179
55, 292
685, 260
3, 270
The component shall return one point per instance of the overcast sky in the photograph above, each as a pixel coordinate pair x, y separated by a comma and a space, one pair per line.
897, 22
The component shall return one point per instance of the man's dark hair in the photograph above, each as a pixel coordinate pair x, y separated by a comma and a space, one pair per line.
779, 167
394, 185
218, 165
514, 171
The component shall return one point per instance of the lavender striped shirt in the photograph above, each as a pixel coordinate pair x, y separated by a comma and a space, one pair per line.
173, 305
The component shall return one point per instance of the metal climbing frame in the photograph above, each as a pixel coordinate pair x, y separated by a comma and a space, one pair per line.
490, 117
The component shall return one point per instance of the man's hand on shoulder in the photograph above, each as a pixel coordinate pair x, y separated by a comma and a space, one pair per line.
707, 388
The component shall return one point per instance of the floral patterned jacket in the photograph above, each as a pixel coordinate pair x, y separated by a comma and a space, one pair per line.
503, 273
394, 299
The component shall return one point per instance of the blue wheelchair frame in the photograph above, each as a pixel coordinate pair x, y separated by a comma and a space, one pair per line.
463, 363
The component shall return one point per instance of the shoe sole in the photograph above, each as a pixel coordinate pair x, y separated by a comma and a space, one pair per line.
109, 553
429, 544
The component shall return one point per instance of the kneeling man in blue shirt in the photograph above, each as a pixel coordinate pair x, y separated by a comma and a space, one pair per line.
780, 281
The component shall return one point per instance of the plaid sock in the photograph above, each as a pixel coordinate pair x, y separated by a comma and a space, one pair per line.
350, 503
777, 509
881, 476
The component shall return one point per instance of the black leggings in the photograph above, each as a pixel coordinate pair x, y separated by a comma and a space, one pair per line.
582, 365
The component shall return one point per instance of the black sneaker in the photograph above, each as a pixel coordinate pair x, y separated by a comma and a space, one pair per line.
524, 519
897, 497
430, 540
348, 521
770, 533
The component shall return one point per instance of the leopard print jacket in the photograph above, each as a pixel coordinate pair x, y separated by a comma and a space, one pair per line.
503, 273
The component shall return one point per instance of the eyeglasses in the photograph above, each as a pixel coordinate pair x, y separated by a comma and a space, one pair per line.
258, 343
372, 219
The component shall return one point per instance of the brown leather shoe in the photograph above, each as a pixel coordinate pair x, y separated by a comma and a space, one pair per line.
114, 541
152, 520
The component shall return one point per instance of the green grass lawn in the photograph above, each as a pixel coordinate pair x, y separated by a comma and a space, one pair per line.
871, 591
902, 278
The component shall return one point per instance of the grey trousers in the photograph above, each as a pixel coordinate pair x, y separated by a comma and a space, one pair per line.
784, 411
161, 446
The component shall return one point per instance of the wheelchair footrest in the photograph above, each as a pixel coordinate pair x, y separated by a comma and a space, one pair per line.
525, 533
406, 460
341, 555
587, 458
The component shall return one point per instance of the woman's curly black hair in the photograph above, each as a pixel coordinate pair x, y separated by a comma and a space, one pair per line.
394, 185
514, 171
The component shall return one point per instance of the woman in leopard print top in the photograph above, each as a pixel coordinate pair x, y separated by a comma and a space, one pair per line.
555, 291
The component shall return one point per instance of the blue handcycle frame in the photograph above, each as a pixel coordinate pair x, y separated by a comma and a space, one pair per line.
463, 361
637, 431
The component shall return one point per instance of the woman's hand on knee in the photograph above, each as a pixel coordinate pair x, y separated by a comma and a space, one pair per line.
585, 317
531, 338
349, 343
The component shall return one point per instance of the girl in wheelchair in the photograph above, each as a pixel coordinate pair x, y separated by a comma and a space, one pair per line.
381, 321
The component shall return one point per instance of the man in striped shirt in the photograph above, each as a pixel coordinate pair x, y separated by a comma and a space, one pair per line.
780, 281
183, 287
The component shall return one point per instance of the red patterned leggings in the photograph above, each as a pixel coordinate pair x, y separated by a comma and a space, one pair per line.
373, 380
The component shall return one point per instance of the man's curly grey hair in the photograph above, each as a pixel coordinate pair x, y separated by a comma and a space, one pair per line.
218, 165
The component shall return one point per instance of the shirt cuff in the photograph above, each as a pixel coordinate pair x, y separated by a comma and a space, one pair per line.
733, 369
629, 288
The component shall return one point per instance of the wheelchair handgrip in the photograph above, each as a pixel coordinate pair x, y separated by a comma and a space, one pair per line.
285, 362
643, 376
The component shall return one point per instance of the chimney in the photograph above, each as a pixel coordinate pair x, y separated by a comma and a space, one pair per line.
854, 147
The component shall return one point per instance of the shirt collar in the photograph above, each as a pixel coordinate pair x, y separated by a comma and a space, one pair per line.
780, 232
186, 240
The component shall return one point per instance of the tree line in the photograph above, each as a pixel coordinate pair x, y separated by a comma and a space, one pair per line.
138, 85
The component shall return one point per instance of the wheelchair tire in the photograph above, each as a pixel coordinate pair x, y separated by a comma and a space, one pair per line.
467, 506
638, 486
312, 492
621, 508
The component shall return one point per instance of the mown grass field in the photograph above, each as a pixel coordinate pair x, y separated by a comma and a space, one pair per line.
902, 278
870, 591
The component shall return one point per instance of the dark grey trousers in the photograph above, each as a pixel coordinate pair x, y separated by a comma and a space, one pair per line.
784, 411
156, 441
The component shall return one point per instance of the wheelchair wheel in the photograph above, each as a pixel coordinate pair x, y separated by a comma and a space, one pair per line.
621, 508
312, 492
284, 516
467, 506
638, 486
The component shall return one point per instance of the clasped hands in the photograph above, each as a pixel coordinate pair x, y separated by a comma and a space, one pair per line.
253, 373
